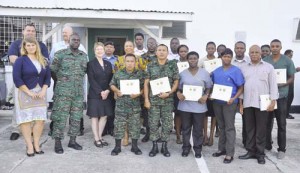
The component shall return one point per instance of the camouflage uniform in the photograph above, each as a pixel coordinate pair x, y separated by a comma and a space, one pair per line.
127, 110
161, 109
70, 69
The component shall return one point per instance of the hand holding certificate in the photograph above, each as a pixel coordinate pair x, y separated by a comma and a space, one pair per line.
280, 76
161, 85
221, 92
211, 65
192, 93
129, 87
182, 66
265, 101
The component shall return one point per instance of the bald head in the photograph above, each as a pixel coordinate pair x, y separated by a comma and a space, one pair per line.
255, 54
67, 31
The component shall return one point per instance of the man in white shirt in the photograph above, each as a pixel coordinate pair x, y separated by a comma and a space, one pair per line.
139, 44
174, 43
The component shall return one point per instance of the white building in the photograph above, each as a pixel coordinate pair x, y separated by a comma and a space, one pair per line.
194, 22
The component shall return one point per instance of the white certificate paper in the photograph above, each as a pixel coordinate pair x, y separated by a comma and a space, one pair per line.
182, 66
129, 87
265, 101
221, 92
211, 65
192, 93
160, 85
280, 75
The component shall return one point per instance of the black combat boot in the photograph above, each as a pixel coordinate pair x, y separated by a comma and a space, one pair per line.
73, 144
57, 147
135, 149
117, 148
154, 149
164, 149
147, 135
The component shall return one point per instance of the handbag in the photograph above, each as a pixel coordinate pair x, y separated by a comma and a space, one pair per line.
25, 101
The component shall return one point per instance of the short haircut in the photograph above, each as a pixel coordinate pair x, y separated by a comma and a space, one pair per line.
109, 43
163, 45
227, 52
139, 34
74, 34
241, 43
287, 52
265, 45
130, 55
192, 53
175, 38
182, 45
98, 44
211, 42
29, 24
275, 40
221, 45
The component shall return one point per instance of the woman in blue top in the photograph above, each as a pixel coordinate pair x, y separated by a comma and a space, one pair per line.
232, 76
31, 75
193, 112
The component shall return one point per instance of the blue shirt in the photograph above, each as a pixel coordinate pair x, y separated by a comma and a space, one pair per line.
112, 60
25, 73
15, 49
201, 78
232, 77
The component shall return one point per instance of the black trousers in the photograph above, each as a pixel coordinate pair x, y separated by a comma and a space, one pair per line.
145, 116
244, 131
189, 120
290, 99
280, 115
256, 128
109, 126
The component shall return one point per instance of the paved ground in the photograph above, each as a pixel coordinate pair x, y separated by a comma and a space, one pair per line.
92, 159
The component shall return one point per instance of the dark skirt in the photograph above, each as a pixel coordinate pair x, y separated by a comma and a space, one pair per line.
210, 111
98, 108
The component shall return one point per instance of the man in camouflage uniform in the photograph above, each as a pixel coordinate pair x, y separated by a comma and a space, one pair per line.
160, 106
148, 57
70, 66
128, 108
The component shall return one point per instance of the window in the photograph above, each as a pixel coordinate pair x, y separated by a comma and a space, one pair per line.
178, 30
11, 29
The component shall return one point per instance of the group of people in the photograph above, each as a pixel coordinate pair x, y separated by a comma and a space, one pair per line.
124, 113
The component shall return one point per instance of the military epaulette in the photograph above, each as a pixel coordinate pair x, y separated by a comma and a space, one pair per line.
60, 51
80, 51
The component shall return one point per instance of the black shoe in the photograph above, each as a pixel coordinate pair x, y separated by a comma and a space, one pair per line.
261, 160
14, 136
104, 143
290, 117
117, 148
57, 147
146, 137
164, 149
227, 161
75, 145
198, 154
98, 144
39, 152
30, 154
135, 149
154, 149
268, 148
248, 155
218, 154
185, 153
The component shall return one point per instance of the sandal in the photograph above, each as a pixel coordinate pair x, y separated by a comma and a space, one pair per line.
103, 142
98, 144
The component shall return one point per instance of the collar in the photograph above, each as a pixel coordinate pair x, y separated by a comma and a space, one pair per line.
69, 52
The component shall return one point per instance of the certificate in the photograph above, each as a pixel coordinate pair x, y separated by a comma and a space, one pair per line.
265, 101
192, 93
211, 65
280, 75
160, 85
129, 87
221, 92
182, 66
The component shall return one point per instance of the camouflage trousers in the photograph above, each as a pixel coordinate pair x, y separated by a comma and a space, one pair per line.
63, 108
131, 120
161, 114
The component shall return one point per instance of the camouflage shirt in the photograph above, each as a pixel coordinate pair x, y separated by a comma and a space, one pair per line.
147, 57
125, 101
155, 71
70, 69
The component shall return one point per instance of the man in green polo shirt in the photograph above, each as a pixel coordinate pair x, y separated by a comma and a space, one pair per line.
280, 61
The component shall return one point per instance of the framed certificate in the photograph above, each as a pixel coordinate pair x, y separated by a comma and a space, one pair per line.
192, 93
221, 92
265, 101
182, 66
129, 87
211, 65
160, 85
280, 75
